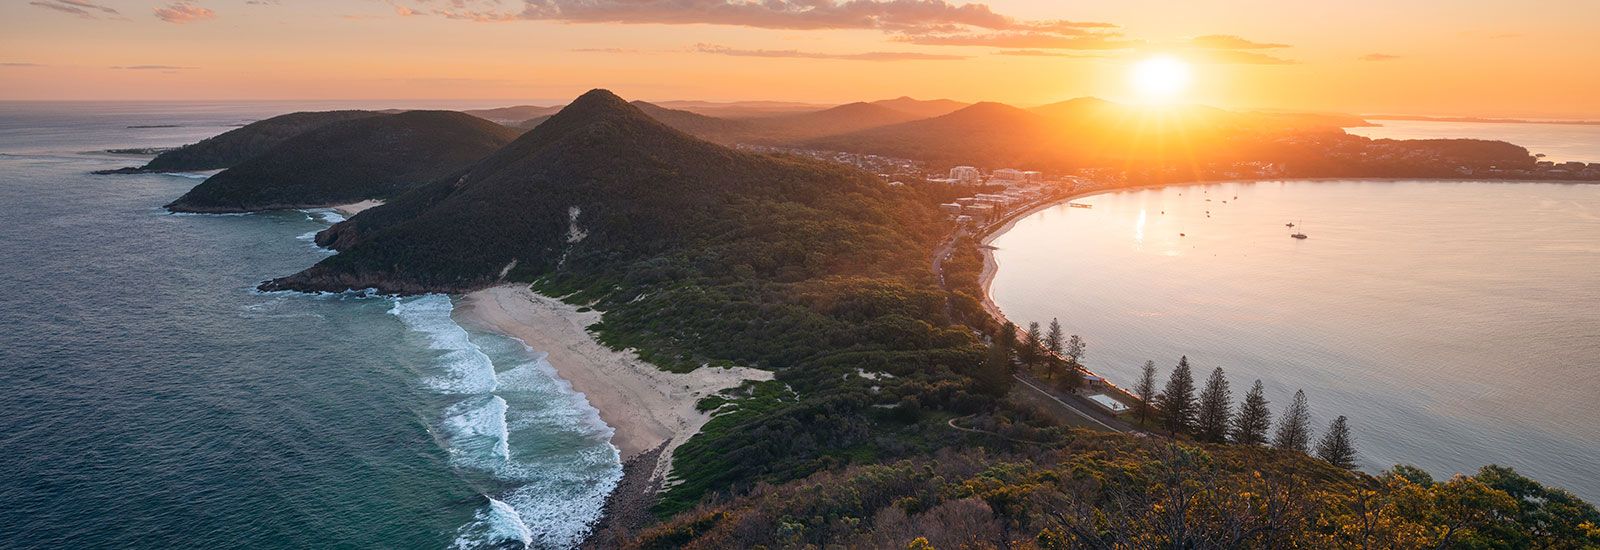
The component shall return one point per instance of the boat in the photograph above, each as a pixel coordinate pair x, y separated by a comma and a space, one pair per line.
1290, 224
1299, 234
1080, 205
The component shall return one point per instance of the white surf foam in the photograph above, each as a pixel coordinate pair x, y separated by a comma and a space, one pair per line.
466, 369
524, 427
494, 525
476, 433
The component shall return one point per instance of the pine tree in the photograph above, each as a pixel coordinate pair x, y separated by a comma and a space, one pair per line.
1075, 348
1254, 419
1177, 402
1146, 388
1008, 335
1052, 339
1216, 410
1030, 345
1294, 429
1336, 447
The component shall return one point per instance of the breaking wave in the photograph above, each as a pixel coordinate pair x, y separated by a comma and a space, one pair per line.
543, 449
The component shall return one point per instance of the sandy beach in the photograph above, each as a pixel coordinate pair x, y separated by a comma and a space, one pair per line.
648, 407
356, 207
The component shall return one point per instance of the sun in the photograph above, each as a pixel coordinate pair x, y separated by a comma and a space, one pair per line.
1160, 79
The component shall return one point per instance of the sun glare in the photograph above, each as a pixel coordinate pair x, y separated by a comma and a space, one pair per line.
1160, 79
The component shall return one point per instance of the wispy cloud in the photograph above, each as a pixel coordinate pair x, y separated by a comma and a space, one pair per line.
868, 56
184, 12
1241, 57
153, 68
1044, 53
896, 15
1231, 42
1379, 57
1025, 40
605, 50
19, 64
80, 8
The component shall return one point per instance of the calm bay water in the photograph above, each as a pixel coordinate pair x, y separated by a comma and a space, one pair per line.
153, 399
1558, 142
1457, 324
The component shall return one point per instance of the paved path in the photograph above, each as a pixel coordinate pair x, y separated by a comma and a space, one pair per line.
1094, 422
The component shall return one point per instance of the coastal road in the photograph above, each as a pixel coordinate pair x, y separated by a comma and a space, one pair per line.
1088, 420
943, 252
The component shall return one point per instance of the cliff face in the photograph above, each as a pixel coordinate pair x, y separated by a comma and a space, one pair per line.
350, 161
597, 186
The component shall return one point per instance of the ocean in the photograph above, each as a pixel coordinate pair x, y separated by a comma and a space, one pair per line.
1456, 324
1558, 142
153, 399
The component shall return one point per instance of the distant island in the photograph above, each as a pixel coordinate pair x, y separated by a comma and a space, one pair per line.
346, 161
1482, 120
796, 352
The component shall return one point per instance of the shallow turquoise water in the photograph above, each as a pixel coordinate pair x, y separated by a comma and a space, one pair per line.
153, 399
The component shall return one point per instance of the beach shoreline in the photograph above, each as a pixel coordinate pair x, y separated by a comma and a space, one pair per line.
356, 207
646, 407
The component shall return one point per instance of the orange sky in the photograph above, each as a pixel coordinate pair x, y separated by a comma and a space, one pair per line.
1530, 58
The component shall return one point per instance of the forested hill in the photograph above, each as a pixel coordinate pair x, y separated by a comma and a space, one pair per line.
892, 421
373, 157
240, 144
602, 185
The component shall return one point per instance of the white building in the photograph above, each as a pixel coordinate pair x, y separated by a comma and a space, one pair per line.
1008, 174
965, 174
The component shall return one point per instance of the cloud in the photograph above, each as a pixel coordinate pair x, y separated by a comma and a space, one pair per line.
80, 8
868, 56
184, 12
1231, 42
891, 15
19, 64
1238, 57
1042, 53
1379, 57
1024, 40
921, 22
153, 68
605, 50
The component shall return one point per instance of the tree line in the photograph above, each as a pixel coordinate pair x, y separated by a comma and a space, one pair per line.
1208, 416
1211, 417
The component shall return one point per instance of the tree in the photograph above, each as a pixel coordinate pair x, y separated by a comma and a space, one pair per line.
1008, 336
1030, 345
1177, 402
1294, 429
1216, 409
1336, 447
1146, 388
1254, 419
1075, 347
1052, 339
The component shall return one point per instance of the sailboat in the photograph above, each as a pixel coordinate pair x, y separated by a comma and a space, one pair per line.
1299, 234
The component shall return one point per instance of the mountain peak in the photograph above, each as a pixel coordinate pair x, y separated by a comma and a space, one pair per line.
598, 97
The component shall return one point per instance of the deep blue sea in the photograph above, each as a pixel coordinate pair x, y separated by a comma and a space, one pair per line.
150, 398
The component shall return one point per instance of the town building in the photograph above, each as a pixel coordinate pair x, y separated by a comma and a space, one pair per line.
965, 174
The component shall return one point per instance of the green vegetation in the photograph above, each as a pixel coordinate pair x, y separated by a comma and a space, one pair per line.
1106, 491
343, 162
235, 146
702, 255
